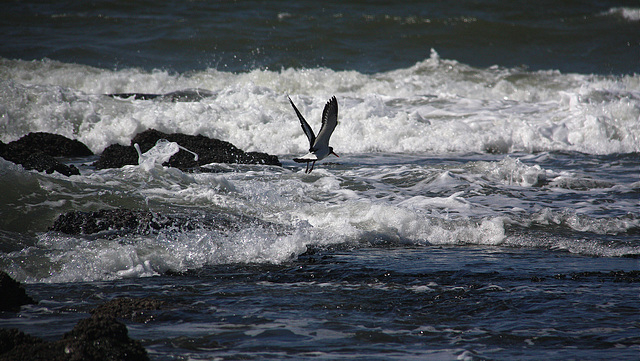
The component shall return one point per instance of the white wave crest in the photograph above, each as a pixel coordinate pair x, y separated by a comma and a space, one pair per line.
437, 106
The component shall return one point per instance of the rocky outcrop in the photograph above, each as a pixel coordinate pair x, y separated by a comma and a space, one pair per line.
113, 220
96, 338
38, 151
209, 150
51, 144
102, 338
117, 221
16, 345
12, 294
116, 156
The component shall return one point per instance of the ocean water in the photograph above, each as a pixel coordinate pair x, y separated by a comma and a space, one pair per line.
485, 204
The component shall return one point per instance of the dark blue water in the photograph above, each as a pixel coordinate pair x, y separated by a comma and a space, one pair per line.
571, 36
375, 303
485, 204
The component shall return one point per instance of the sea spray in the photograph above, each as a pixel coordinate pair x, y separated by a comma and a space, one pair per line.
437, 106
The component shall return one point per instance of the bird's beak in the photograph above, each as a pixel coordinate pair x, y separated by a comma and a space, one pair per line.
335, 154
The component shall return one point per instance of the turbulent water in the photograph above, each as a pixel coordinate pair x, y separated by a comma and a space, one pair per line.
485, 204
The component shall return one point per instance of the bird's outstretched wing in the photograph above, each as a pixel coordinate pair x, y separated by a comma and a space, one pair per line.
329, 122
305, 126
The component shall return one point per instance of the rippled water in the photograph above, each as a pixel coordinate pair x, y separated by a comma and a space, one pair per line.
381, 302
585, 37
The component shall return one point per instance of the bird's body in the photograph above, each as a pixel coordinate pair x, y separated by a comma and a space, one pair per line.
318, 146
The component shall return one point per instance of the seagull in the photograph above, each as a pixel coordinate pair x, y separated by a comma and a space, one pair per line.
318, 147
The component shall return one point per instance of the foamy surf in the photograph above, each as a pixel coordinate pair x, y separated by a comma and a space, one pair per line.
439, 153
436, 106
281, 213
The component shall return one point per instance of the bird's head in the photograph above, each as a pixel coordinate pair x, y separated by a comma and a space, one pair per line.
331, 152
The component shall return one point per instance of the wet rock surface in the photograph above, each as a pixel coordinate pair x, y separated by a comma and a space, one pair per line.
100, 337
117, 221
116, 156
96, 338
38, 151
12, 294
134, 309
51, 144
209, 150
16, 345
109, 220
597, 276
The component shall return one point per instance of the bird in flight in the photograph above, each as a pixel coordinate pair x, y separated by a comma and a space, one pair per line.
319, 146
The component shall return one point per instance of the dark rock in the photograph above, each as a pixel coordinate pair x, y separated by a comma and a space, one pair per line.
135, 309
597, 276
622, 276
97, 338
54, 145
116, 156
12, 294
615, 276
188, 95
16, 346
45, 163
117, 221
263, 158
37, 151
134, 96
102, 338
111, 220
11, 338
209, 150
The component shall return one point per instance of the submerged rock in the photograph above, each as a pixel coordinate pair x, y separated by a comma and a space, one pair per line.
102, 338
209, 150
12, 294
107, 220
96, 338
37, 151
135, 309
126, 221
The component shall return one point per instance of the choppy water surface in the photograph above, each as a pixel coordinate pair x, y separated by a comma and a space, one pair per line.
478, 210
383, 302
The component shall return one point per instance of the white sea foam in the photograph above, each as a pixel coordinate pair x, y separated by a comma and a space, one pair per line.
382, 190
398, 203
435, 106
71, 259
